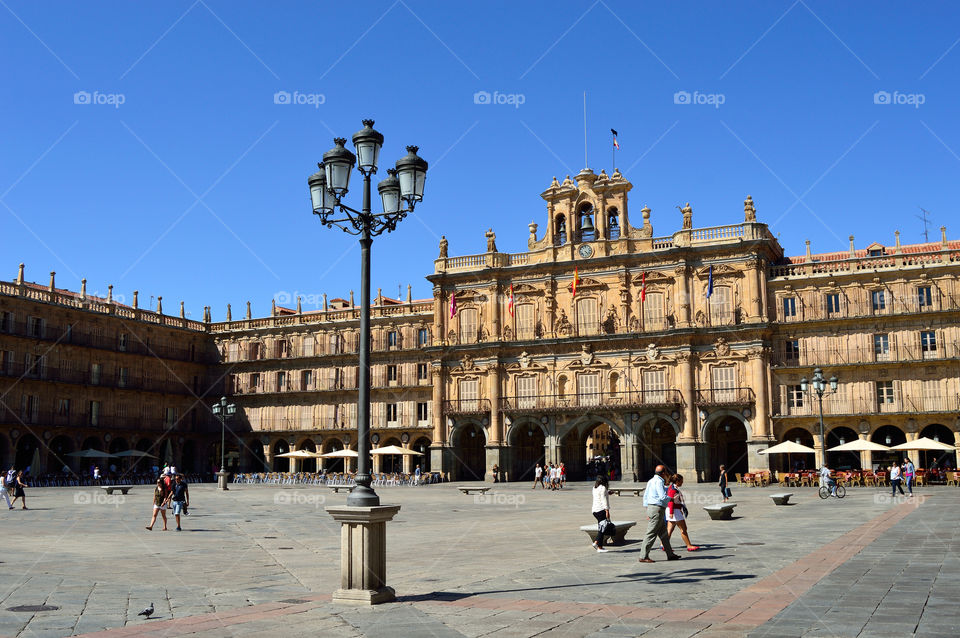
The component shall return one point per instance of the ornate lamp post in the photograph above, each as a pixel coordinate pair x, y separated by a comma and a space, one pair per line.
819, 386
363, 573
223, 411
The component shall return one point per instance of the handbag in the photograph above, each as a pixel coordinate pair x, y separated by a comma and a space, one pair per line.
729, 492
686, 512
607, 528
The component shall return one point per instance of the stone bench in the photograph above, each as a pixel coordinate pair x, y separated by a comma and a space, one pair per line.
782, 498
337, 488
474, 490
635, 490
721, 511
622, 528
110, 488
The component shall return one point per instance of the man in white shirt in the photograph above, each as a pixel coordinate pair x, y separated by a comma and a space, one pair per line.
825, 480
537, 477
655, 499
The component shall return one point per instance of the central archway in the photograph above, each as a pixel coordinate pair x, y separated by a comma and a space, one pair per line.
656, 445
469, 453
728, 446
528, 442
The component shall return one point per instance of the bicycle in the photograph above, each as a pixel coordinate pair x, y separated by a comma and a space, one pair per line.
825, 492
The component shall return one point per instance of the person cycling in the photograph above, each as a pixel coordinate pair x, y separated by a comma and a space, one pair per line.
827, 481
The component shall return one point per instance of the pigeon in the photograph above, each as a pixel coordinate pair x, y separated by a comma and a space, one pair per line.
147, 612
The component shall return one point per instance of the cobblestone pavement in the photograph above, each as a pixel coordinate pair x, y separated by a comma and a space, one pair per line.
263, 560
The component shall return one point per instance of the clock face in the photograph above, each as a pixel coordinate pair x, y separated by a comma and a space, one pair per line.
585, 250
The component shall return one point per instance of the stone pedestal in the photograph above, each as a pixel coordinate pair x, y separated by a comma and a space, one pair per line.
222, 479
687, 462
363, 554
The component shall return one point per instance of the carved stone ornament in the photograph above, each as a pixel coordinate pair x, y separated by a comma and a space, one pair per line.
467, 363
701, 319
722, 347
563, 324
634, 324
586, 357
525, 360
864, 427
653, 352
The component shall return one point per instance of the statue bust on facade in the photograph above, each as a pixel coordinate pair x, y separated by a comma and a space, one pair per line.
443, 247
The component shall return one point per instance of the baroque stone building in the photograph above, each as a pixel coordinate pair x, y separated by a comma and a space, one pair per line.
601, 340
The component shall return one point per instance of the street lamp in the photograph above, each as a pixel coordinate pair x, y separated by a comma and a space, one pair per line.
819, 385
399, 192
223, 411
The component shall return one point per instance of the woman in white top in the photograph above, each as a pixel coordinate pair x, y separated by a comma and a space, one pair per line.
676, 516
600, 509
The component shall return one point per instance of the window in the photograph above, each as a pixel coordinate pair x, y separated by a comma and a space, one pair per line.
789, 307
468, 325
6, 321
422, 414
613, 224
233, 352
423, 337
306, 380
469, 395
6, 361
96, 371
421, 371
283, 348
885, 396
721, 306
833, 303
306, 417
587, 323
924, 298
35, 326
881, 347
878, 300
334, 344
526, 392
29, 408
94, 413
281, 381
256, 351
123, 377
930, 392
524, 320
875, 252
392, 339
392, 373
928, 344
794, 397
122, 342
653, 318
306, 346
724, 380
254, 381
63, 409
588, 389
654, 386
170, 417
791, 351
391, 413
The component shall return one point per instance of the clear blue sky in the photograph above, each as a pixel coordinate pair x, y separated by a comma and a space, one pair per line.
194, 187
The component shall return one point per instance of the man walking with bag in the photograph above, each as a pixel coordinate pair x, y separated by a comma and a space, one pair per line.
655, 499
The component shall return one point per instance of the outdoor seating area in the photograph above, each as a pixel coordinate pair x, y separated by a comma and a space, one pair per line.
846, 478
337, 478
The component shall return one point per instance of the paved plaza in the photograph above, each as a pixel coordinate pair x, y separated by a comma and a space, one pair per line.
263, 560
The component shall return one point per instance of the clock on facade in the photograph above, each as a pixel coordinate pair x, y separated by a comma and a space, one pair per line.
585, 250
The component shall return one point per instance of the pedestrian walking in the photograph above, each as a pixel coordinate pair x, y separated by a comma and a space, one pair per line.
496, 473
896, 476
909, 473
537, 477
161, 497
563, 475
18, 493
416, 476
180, 497
724, 490
601, 509
96, 475
4, 491
677, 512
655, 499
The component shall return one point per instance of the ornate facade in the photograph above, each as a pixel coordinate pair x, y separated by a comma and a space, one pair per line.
604, 340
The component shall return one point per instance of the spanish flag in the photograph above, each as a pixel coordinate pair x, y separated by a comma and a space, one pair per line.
643, 286
576, 280
510, 301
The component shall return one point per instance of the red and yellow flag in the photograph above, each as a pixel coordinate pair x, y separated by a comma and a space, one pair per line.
643, 287
510, 301
576, 280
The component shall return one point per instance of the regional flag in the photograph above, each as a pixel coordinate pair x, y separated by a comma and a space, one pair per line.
576, 280
710, 283
453, 304
643, 286
616, 144
510, 301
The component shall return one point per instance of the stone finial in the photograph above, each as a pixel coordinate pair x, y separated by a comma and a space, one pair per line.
809, 255
409, 293
943, 236
20, 275
136, 294
273, 307
749, 210
853, 251
53, 274
299, 306
83, 289
183, 314
896, 236
379, 296
159, 305
110, 293
229, 313
249, 315
325, 307
645, 211
351, 299
443, 247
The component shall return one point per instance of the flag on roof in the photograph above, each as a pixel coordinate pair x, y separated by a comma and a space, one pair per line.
616, 144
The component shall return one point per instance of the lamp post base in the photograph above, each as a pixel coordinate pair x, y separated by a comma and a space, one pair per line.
363, 554
222, 478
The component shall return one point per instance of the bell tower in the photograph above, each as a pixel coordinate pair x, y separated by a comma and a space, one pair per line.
592, 208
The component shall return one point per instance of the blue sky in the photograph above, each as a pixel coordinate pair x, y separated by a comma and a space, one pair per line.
194, 187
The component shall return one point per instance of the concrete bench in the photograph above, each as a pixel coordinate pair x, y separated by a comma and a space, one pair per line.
123, 489
782, 499
721, 511
622, 528
474, 490
636, 491
337, 488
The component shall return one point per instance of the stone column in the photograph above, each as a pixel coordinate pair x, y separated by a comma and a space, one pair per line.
752, 303
437, 456
762, 287
818, 446
493, 388
363, 554
758, 381
267, 456
866, 458
681, 295
376, 463
407, 464
687, 388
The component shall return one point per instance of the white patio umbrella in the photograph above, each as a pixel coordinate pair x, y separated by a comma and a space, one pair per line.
339, 454
923, 443
136, 453
788, 447
91, 454
394, 449
299, 454
860, 445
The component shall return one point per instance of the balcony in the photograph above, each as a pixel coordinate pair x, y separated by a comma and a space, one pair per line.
726, 397
631, 399
841, 355
913, 404
83, 377
466, 406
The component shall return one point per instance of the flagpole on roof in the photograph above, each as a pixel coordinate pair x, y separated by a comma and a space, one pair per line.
585, 162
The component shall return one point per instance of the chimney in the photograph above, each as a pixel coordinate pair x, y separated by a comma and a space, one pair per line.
853, 252
351, 299
52, 275
379, 296
20, 275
